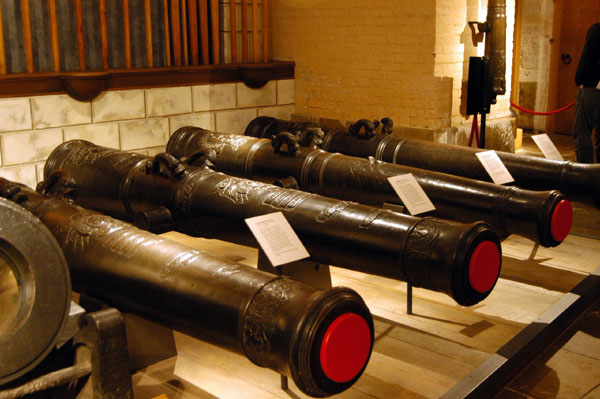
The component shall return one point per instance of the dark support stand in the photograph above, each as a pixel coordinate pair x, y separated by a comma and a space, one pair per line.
100, 354
409, 298
305, 271
284, 382
482, 130
104, 335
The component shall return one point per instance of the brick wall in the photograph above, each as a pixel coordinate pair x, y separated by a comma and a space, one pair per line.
132, 120
534, 68
406, 59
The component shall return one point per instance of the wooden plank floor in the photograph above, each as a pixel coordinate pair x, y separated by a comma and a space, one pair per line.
415, 356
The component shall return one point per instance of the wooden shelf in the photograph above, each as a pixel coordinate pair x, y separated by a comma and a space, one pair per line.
85, 86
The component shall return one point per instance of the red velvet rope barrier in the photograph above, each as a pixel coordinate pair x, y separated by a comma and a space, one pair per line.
556, 111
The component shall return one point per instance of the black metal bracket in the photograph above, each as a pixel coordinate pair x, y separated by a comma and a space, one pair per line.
60, 185
165, 165
100, 348
409, 288
104, 334
305, 271
366, 125
387, 126
499, 369
201, 159
286, 139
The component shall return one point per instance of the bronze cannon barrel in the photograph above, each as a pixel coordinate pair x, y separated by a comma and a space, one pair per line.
462, 260
321, 338
545, 217
495, 45
577, 181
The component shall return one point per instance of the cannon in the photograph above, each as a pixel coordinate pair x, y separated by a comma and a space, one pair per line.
580, 182
321, 338
544, 217
160, 193
35, 292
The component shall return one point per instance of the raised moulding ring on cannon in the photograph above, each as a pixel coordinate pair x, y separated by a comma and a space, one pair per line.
35, 291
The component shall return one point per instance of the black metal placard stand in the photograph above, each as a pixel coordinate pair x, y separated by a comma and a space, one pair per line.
305, 271
409, 287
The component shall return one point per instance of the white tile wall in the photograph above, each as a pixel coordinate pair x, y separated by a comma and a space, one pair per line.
59, 110
168, 101
285, 91
144, 133
213, 97
226, 47
24, 174
118, 105
234, 121
15, 114
156, 150
205, 120
279, 111
247, 97
30, 146
104, 134
39, 168
132, 120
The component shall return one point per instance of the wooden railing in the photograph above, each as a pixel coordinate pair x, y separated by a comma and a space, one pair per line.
51, 45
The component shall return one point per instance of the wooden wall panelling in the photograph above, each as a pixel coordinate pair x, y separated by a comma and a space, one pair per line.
265, 30
571, 23
13, 37
53, 35
2, 55
80, 36
244, 7
204, 35
167, 34
92, 35
115, 27
214, 24
175, 32
193, 18
255, 25
159, 47
233, 29
103, 33
41, 36
148, 32
184, 31
27, 34
68, 51
137, 33
126, 34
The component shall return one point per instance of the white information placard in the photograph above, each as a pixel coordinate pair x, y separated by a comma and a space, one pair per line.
547, 146
494, 166
411, 194
277, 238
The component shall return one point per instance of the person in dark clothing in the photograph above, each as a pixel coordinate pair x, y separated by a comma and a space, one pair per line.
587, 103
